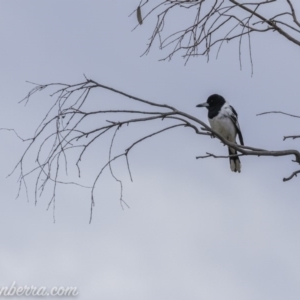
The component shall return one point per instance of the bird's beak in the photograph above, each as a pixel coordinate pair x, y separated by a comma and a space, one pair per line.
205, 104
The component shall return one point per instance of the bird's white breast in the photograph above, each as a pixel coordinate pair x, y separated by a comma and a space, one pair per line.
223, 124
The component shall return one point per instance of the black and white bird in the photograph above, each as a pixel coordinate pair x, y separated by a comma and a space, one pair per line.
223, 119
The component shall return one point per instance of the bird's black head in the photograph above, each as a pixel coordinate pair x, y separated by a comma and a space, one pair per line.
213, 101
213, 104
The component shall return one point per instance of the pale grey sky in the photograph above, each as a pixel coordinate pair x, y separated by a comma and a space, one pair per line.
194, 229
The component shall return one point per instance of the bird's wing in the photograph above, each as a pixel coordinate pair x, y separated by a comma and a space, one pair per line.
234, 118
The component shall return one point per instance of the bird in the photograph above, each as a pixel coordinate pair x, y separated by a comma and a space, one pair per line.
223, 119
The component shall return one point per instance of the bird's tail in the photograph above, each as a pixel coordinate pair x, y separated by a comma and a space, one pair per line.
235, 163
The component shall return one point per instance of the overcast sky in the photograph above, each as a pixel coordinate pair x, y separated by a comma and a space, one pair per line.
194, 230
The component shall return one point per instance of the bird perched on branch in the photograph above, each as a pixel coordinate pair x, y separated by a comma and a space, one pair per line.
223, 119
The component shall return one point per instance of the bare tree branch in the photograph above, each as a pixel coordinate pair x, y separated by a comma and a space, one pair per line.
218, 156
291, 137
64, 130
293, 13
278, 112
216, 22
16, 134
294, 174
